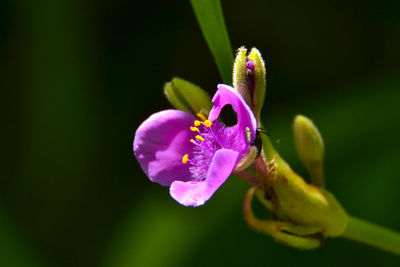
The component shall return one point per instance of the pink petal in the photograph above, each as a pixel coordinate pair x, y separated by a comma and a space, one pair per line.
196, 193
228, 95
160, 143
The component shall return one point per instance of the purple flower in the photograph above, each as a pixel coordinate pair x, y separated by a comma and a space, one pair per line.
194, 157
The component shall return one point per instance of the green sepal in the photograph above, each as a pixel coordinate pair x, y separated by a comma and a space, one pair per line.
310, 147
188, 97
260, 81
240, 74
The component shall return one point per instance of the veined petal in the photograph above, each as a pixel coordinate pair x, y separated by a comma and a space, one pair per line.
159, 144
193, 193
227, 95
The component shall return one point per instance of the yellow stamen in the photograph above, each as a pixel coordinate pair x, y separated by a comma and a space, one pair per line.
194, 129
192, 141
185, 158
201, 116
199, 138
207, 123
197, 123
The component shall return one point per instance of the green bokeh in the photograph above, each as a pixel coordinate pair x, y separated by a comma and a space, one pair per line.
78, 77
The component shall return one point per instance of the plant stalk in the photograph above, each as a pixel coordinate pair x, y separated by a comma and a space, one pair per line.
373, 235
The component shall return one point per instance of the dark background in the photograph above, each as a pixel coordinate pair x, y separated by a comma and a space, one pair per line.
78, 77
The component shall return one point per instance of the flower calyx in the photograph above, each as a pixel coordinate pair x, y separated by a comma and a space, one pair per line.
187, 97
302, 215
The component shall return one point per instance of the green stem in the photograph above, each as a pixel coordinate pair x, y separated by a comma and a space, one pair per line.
317, 174
373, 235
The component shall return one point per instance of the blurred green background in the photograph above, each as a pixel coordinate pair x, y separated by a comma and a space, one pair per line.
78, 77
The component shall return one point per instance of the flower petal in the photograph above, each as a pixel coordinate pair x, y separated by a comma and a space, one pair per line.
195, 193
159, 144
228, 95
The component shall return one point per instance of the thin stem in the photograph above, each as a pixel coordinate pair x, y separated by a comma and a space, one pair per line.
373, 235
248, 177
317, 174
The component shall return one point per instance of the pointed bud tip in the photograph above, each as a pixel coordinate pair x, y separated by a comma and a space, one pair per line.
310, 147
306, 131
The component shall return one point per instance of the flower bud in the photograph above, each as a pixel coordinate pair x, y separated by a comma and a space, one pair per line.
249, 78
186, 96
303, 237
305, 204
310, 147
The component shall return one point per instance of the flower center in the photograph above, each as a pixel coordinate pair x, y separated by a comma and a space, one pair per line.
210, 137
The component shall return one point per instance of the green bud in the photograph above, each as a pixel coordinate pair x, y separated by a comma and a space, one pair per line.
303, 237
249, 78
310, 147
307, 205
188, 97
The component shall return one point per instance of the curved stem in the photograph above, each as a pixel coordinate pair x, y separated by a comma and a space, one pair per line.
248, 177
279, 230
372, 235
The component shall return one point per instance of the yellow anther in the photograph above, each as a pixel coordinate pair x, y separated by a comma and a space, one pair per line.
199, 138
192, 141
197, 123
194, 129
201, 116
185, 158
207, 123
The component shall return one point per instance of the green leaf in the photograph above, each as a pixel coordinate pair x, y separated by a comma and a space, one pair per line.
211, 20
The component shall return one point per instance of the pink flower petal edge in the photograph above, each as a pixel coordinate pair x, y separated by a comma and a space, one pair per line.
195, 193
